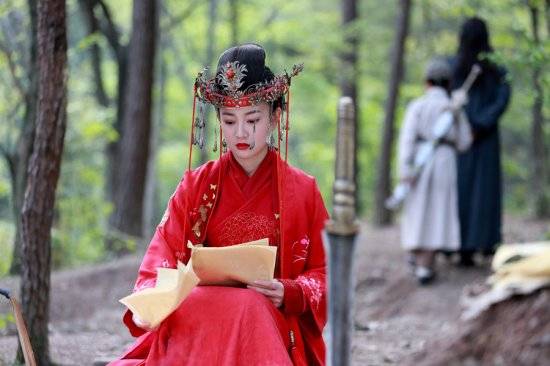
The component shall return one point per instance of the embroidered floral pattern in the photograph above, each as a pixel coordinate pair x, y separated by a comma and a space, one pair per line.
165, 263
180, 256
194, 214
300, 250
246, 226
199, 216
312, 289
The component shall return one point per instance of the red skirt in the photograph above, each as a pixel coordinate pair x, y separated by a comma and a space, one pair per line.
216, 326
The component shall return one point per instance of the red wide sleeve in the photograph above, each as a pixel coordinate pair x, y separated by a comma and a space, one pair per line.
307, 293
165, 249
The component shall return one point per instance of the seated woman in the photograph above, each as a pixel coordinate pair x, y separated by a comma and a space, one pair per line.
249, 193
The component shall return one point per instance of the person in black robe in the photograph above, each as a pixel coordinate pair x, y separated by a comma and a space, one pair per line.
479, 170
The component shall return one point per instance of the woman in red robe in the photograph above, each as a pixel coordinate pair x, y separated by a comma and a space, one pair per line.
249, 193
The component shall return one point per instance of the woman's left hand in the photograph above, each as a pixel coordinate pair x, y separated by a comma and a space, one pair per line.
273, 289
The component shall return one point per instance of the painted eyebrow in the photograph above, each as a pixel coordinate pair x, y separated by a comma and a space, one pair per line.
246, 114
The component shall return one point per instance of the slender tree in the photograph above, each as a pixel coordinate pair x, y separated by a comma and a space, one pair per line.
134, 143
87, 10
382, 215
150, 205
18, 159
350, 67
539, 178
98, 18
44, 169
97, 15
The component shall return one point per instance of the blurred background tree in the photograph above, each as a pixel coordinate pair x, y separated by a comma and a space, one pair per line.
190, 35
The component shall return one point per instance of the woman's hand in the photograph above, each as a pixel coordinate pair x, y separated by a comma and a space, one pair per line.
142, 324
273, 289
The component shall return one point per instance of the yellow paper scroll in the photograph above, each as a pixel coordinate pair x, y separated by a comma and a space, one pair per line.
224, 266
153, 305
234, 265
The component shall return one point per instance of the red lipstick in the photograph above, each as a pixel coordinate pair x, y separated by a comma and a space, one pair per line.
242, 146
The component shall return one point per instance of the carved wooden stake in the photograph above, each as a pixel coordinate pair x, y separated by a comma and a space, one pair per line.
341, 231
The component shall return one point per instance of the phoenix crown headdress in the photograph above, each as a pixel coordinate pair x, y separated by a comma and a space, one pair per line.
223, 90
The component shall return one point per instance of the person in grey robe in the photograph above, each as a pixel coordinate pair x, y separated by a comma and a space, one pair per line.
479, 170
429, 221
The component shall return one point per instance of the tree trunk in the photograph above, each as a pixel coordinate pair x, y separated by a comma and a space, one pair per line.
25, 141
151, 187
108, 28
44, 169
383, 215
234, 20
113, 147
350, 73
539, 178
134, 143
87, 9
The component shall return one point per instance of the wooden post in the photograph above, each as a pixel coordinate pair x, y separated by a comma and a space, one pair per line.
340, 241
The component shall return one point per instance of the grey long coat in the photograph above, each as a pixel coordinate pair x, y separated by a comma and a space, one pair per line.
430, 212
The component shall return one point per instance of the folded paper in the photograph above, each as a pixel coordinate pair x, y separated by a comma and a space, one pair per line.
153, 305
224, 266
234, 265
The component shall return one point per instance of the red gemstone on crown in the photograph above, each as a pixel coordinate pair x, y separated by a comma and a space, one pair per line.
230, 73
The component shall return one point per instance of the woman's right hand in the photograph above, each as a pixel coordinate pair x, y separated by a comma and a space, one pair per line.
141, 323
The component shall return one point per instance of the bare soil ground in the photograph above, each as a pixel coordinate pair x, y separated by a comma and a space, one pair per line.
396, 322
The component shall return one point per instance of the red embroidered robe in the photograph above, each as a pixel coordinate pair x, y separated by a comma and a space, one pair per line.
247, 210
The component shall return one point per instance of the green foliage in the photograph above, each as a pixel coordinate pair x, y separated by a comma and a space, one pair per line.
79, 234
306, 31
117, 244
7, 233
172, 162
6, 211
5, 320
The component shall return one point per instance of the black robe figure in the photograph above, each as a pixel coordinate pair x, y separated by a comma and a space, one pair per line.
479, 170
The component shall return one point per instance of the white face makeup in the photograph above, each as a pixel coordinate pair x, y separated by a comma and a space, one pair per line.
245, 130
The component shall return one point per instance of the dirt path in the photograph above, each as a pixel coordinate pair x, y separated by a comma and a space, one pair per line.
394, 318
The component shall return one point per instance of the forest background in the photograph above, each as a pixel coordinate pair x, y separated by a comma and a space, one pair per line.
190, 34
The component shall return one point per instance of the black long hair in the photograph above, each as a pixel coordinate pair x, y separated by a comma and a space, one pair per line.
473, 41
253, 56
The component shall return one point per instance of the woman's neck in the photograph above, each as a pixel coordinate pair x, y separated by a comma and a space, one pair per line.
251, 165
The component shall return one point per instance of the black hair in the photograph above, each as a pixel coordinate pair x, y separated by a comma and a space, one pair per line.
253, 56
441, 82
473, 40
